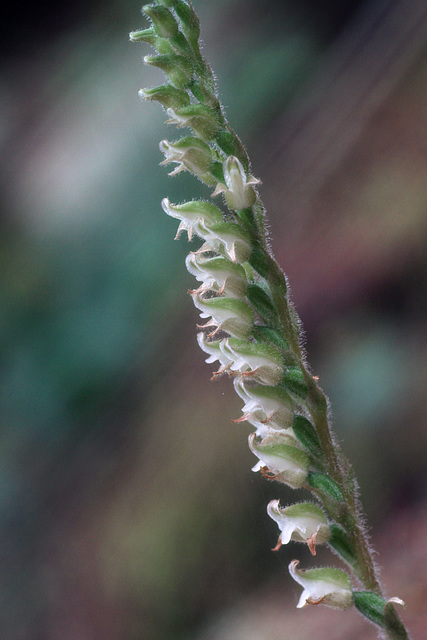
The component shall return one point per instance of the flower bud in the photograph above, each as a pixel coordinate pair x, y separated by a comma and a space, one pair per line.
217, 274
144, 35
164, 24
162, 45
176, 68
302, 522
189, 21
238, 192
257, 360
165, 94
328, 586
228, 314
279, 456
201, 119
194, 215
189, 153
270, 407
229, 239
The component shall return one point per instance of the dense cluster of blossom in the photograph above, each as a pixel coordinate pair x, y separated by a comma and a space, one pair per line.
250, 327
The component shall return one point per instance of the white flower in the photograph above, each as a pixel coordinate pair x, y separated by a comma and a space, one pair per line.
229, 239
302, 522
323, 586
228, 314
217, 274
194, 215
268, 407
239, 194
190, 153
280, 459
201, 119
260, 361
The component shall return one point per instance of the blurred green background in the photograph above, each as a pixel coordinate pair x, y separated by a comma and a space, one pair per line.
128, 508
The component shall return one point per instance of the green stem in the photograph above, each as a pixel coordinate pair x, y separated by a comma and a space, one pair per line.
317, 403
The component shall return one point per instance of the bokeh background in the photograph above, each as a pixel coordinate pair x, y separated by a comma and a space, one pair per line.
127, 506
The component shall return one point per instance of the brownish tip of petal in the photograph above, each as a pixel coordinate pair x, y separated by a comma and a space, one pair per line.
311, 542
278, 545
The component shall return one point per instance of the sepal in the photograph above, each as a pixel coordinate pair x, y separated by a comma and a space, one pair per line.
302, 522
328, 586
280, 459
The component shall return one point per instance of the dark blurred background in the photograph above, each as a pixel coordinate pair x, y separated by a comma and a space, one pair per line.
128, 508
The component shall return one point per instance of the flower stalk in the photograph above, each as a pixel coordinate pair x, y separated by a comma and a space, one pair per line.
252, 327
